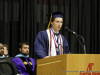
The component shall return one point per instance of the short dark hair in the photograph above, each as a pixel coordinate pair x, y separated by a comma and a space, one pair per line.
23, 43
52, 20
5, 45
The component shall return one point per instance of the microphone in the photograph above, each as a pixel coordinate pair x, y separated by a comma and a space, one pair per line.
67, 28
83, 46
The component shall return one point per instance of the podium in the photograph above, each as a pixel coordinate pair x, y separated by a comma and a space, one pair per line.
69, 64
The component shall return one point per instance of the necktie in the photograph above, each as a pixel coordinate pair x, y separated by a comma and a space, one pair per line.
56, 34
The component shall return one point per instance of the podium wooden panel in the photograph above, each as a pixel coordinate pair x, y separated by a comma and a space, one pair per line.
69, 64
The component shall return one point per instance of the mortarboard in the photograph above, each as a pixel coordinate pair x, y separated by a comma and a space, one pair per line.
53, 15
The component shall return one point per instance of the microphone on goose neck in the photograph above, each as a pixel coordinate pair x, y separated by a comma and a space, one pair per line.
83, 46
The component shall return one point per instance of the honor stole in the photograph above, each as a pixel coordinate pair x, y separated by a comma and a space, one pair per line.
51, 39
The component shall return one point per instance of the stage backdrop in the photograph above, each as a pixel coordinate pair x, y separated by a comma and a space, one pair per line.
21, 20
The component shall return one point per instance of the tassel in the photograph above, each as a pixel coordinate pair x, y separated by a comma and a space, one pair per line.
49, 22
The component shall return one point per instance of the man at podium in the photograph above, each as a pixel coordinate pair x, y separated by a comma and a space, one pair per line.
50, 42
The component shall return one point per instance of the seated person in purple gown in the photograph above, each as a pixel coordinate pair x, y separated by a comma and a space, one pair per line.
23, 62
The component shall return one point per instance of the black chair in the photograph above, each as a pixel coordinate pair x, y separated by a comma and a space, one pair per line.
3, 61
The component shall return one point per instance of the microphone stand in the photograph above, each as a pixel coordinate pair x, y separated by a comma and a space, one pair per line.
83, 46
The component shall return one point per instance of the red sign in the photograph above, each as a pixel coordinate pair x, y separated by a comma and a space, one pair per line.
89, 71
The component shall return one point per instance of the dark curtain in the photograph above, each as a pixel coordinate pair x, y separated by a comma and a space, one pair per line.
21, 20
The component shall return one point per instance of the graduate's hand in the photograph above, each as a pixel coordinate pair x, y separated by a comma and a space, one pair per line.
47, 57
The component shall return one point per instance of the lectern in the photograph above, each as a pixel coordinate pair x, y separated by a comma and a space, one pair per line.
69, 64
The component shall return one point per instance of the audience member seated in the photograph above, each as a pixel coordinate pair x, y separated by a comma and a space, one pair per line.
23, 62
5, 50
5, 68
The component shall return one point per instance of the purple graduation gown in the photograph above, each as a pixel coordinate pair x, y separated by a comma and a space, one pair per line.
41, 45
20, 66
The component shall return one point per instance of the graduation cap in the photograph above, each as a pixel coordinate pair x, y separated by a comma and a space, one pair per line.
54, 15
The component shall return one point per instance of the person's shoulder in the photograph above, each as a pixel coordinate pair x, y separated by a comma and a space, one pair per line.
62, 36
42, 32
16, 59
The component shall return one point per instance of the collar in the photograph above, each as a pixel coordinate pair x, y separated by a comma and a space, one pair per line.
4, 55
1, 56
54, 31
21, 55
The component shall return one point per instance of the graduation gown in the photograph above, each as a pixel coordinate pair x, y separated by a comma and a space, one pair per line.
5, 68
41, 45
22, 68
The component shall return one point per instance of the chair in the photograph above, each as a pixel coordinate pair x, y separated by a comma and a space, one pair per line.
3, 61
